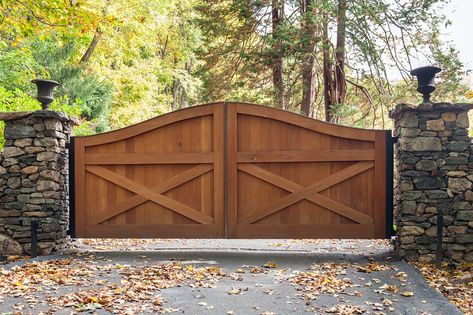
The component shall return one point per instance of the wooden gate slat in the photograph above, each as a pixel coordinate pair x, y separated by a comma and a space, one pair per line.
147, 158
305, 156
147, 193
137, 199
297, 196
317, 198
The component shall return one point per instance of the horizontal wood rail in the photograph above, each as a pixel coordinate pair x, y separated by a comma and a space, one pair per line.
305, 156
147, 158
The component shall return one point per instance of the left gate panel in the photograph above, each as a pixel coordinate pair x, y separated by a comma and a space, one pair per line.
157, 179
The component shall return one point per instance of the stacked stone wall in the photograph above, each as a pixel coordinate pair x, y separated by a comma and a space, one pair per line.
434, 172
34, 180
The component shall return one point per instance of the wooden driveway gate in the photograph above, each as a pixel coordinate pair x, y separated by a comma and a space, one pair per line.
232, 170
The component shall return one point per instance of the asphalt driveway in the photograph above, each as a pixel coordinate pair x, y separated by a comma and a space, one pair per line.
220, 277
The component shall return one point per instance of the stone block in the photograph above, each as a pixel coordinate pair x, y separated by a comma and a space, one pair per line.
459, 185
457, 174
14, 182
9, 152
462, 205
34, 149
456, 160
47, 156
39, 127
409, 207
436, 194
18, 131
432, 231
23, 142
410, 132
431, 210
464, 238
458, 146
43, 185
411, 230
407, 185
426, 165
45, 142
53, 124
29, 170
411, 195
408, 119
13, 248
449, 117
436, 125
10, 213
429, 183
465, 215
14, 169
51, 175
420, 144
457, 229
462, 120
468, 257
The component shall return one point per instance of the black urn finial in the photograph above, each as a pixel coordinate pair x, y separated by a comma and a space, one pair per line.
426, 80
45, 91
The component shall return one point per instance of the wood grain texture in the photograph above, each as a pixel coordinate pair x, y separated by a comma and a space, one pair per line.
294, 177
163, 175
231, 170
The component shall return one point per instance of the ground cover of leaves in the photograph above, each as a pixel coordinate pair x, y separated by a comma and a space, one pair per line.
454, 282
86, 283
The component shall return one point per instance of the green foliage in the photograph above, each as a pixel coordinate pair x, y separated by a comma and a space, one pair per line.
124, 61
78, 89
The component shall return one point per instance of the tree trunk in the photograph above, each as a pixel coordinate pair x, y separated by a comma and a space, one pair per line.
93, 44
327, 72
335, 86
340, 80
277, 13
309, 30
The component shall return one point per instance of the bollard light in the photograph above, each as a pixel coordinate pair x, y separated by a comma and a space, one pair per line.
426, 80
45, 91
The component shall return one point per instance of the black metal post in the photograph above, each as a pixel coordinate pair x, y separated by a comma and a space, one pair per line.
72, 216
34, 238
439, 249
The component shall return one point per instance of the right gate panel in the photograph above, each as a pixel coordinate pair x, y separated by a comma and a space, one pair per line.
289, 176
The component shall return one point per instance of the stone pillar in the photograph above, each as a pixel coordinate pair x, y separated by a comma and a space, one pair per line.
34, 180
434, 172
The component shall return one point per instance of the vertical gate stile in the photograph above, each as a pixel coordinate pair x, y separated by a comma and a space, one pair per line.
380, 185
225, 169
231, 170
389, 183
72, 215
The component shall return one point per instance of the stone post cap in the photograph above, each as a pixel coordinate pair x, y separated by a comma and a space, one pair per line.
42, 114
428, 107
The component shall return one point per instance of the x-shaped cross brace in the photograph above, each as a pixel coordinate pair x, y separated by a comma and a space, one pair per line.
311, 193
154, 194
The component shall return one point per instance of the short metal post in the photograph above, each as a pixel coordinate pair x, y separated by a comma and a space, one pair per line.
439, 249
34, 238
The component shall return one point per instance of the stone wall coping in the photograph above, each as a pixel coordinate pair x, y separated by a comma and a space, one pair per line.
42, 114
428, 107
